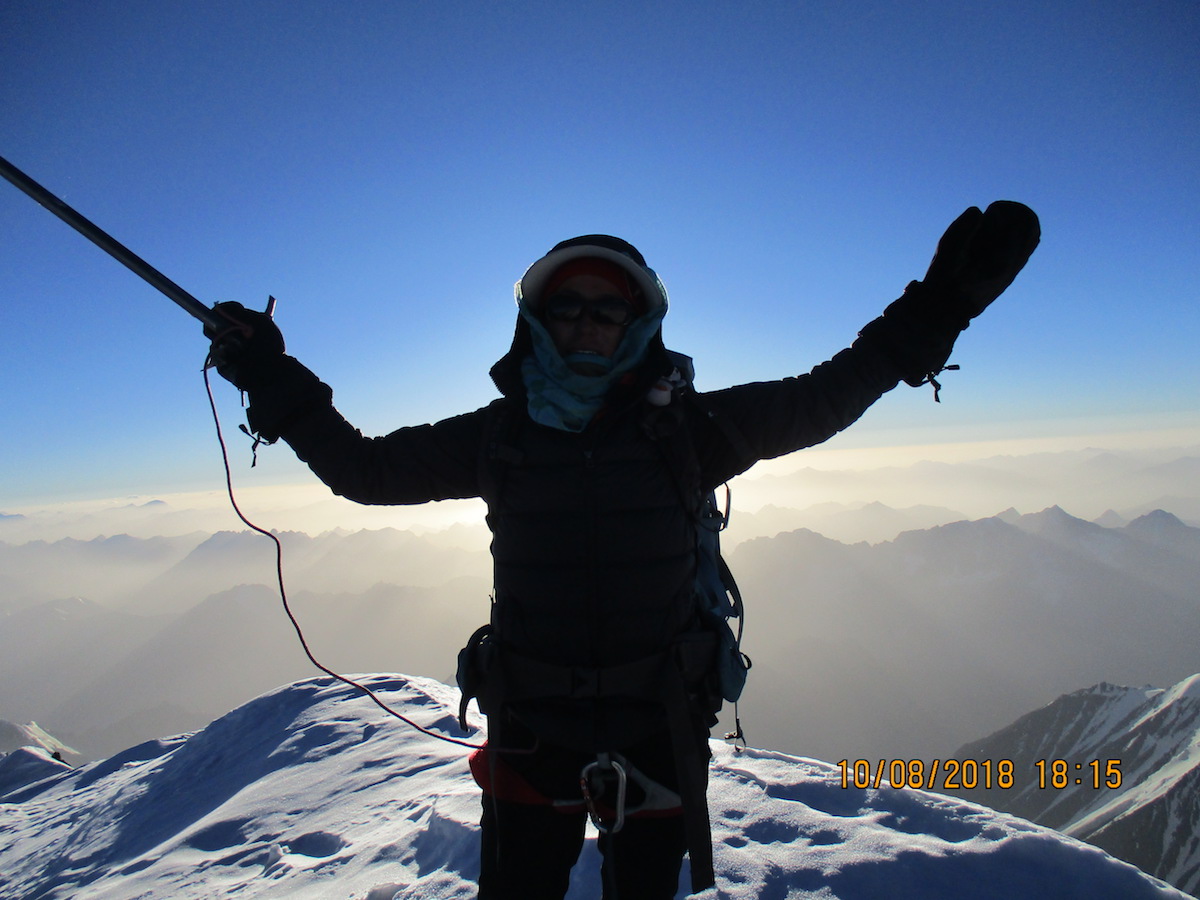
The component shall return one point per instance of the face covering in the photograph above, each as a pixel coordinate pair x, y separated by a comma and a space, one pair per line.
560, 394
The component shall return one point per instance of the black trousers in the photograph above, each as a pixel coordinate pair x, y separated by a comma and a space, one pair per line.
528, 852
529, 845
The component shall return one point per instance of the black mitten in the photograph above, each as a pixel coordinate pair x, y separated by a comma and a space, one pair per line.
977, 258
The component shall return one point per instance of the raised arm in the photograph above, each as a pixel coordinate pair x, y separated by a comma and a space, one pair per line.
410, 465
977, 258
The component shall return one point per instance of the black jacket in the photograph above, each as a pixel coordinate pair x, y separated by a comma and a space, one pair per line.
592, 544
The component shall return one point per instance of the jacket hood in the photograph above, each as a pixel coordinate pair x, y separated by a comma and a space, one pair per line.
644, 281
506, 373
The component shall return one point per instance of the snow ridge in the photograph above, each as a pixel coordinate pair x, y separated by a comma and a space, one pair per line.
310, 791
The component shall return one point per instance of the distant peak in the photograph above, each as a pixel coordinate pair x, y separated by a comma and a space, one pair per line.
1052, 517
1110, 518
1054, 512
1158, 519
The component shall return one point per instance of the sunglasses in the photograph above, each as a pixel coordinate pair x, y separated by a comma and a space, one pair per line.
567, 306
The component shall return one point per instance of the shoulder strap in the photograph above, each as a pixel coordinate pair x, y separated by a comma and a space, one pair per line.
499, 449
729, 430
717, 590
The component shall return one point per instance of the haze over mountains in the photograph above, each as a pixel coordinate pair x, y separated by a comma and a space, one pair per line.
907, 647
834, 500
910, 647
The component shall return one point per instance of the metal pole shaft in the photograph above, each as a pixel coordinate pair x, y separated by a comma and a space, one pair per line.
111, 246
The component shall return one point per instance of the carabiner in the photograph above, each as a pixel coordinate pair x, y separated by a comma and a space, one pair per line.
603, 761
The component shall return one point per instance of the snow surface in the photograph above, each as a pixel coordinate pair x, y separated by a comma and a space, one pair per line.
311, 791
1173, 761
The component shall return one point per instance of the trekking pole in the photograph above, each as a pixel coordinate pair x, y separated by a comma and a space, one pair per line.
113, 247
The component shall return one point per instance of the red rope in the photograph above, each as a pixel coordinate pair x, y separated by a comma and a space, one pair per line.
283, 591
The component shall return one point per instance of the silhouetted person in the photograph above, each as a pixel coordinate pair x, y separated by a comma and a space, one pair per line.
596, 667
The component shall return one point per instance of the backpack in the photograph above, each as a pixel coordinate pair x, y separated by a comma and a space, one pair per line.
718, 599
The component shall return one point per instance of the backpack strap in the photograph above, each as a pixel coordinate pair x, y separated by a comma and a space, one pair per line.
732, 434
719, 597
500, 448
477, 676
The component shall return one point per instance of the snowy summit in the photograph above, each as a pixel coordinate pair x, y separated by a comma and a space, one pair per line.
311, 791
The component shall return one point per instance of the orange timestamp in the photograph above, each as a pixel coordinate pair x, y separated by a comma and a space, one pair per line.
969, 774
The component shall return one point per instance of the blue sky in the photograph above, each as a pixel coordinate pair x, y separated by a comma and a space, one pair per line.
388, 169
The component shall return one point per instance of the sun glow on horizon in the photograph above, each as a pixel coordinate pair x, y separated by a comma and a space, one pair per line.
850, 475
870, 450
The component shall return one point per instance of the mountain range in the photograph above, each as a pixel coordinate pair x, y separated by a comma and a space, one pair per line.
912, 647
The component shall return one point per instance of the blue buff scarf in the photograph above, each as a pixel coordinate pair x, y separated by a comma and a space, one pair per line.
561, 397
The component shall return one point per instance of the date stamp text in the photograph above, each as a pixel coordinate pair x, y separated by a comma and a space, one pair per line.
969, 774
